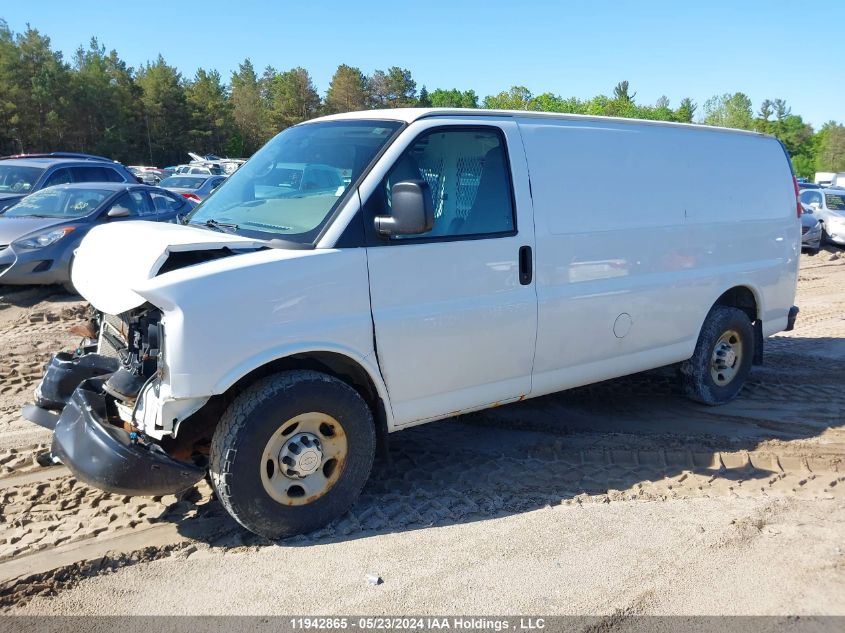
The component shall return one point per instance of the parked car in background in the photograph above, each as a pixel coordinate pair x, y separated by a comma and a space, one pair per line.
24, 174
808, 185
205, 170
192, 186
294, 179
147, 175
39, 234
828, 207
811, 230
231, 165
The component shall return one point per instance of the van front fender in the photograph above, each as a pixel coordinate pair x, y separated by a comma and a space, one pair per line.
368, 364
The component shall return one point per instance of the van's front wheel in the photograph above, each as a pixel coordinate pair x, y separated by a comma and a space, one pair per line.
292, 452
722, 359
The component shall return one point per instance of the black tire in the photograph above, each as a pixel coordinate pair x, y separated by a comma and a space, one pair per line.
697, 381
254, 417
823, 241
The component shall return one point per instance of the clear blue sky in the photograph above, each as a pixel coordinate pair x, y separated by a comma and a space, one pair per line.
767, 49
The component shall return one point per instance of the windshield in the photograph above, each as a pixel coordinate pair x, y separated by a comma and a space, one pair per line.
59, 202
835, 201
18, 179
291, 186
182, 182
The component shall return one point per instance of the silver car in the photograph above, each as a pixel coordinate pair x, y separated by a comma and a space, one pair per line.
828, 206
194, 187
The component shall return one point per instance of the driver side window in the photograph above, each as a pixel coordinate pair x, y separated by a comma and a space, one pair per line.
467, 172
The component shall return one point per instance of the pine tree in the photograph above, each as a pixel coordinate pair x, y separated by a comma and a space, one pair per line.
347, 91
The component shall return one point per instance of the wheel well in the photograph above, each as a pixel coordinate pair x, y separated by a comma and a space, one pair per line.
740, 297
743, 298
337, 365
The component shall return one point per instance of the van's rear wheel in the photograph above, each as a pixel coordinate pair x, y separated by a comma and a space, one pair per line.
292, 452
722, 359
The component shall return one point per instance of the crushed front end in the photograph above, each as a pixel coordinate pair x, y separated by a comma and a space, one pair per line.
99, 401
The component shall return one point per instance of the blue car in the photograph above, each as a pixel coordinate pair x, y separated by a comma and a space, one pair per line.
39, 234
27, 173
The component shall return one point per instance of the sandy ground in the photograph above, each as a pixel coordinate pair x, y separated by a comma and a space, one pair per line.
619, 498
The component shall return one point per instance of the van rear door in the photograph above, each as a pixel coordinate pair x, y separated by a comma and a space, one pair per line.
454, 309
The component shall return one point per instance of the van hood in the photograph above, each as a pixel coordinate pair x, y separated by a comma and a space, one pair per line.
114, 258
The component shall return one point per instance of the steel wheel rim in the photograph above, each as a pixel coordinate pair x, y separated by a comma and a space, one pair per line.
726, 358
303, 459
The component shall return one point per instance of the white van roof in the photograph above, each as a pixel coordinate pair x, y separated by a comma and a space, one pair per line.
409, 115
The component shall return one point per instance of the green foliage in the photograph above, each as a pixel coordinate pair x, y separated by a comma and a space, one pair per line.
620, 92
517, 98
98, 104
249, 109
423, 101
392, 89
41, 79
166, 114
729, 110
804, 166
686, 111
106, 111
292, 98
831, 148
211, 122
347, 91
453, 98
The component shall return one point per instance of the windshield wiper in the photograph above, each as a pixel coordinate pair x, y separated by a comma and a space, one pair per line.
223, 227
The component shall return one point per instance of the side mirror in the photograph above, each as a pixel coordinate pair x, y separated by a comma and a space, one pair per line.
413, 210
118, 212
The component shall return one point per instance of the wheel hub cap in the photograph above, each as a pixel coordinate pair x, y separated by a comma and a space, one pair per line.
301, 455
727, 358
304, 458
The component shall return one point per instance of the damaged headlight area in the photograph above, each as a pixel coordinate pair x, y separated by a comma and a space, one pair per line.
110, 393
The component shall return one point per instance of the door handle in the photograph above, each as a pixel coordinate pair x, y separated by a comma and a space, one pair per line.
526, 265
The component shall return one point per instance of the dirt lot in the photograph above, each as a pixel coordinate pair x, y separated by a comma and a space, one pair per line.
619, 498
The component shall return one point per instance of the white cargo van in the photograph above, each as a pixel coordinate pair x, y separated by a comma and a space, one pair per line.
473, 258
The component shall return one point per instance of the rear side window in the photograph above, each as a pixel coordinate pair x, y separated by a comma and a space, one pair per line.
164, 203
95, 174
835, 201
467, 171
58, 177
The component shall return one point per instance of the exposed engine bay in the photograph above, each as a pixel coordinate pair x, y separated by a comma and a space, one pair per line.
100, 390
127, 348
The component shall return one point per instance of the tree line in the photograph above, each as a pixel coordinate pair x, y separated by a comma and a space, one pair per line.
94, 102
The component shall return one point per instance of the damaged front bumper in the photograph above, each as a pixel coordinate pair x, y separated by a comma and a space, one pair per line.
98, 452
63, 374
